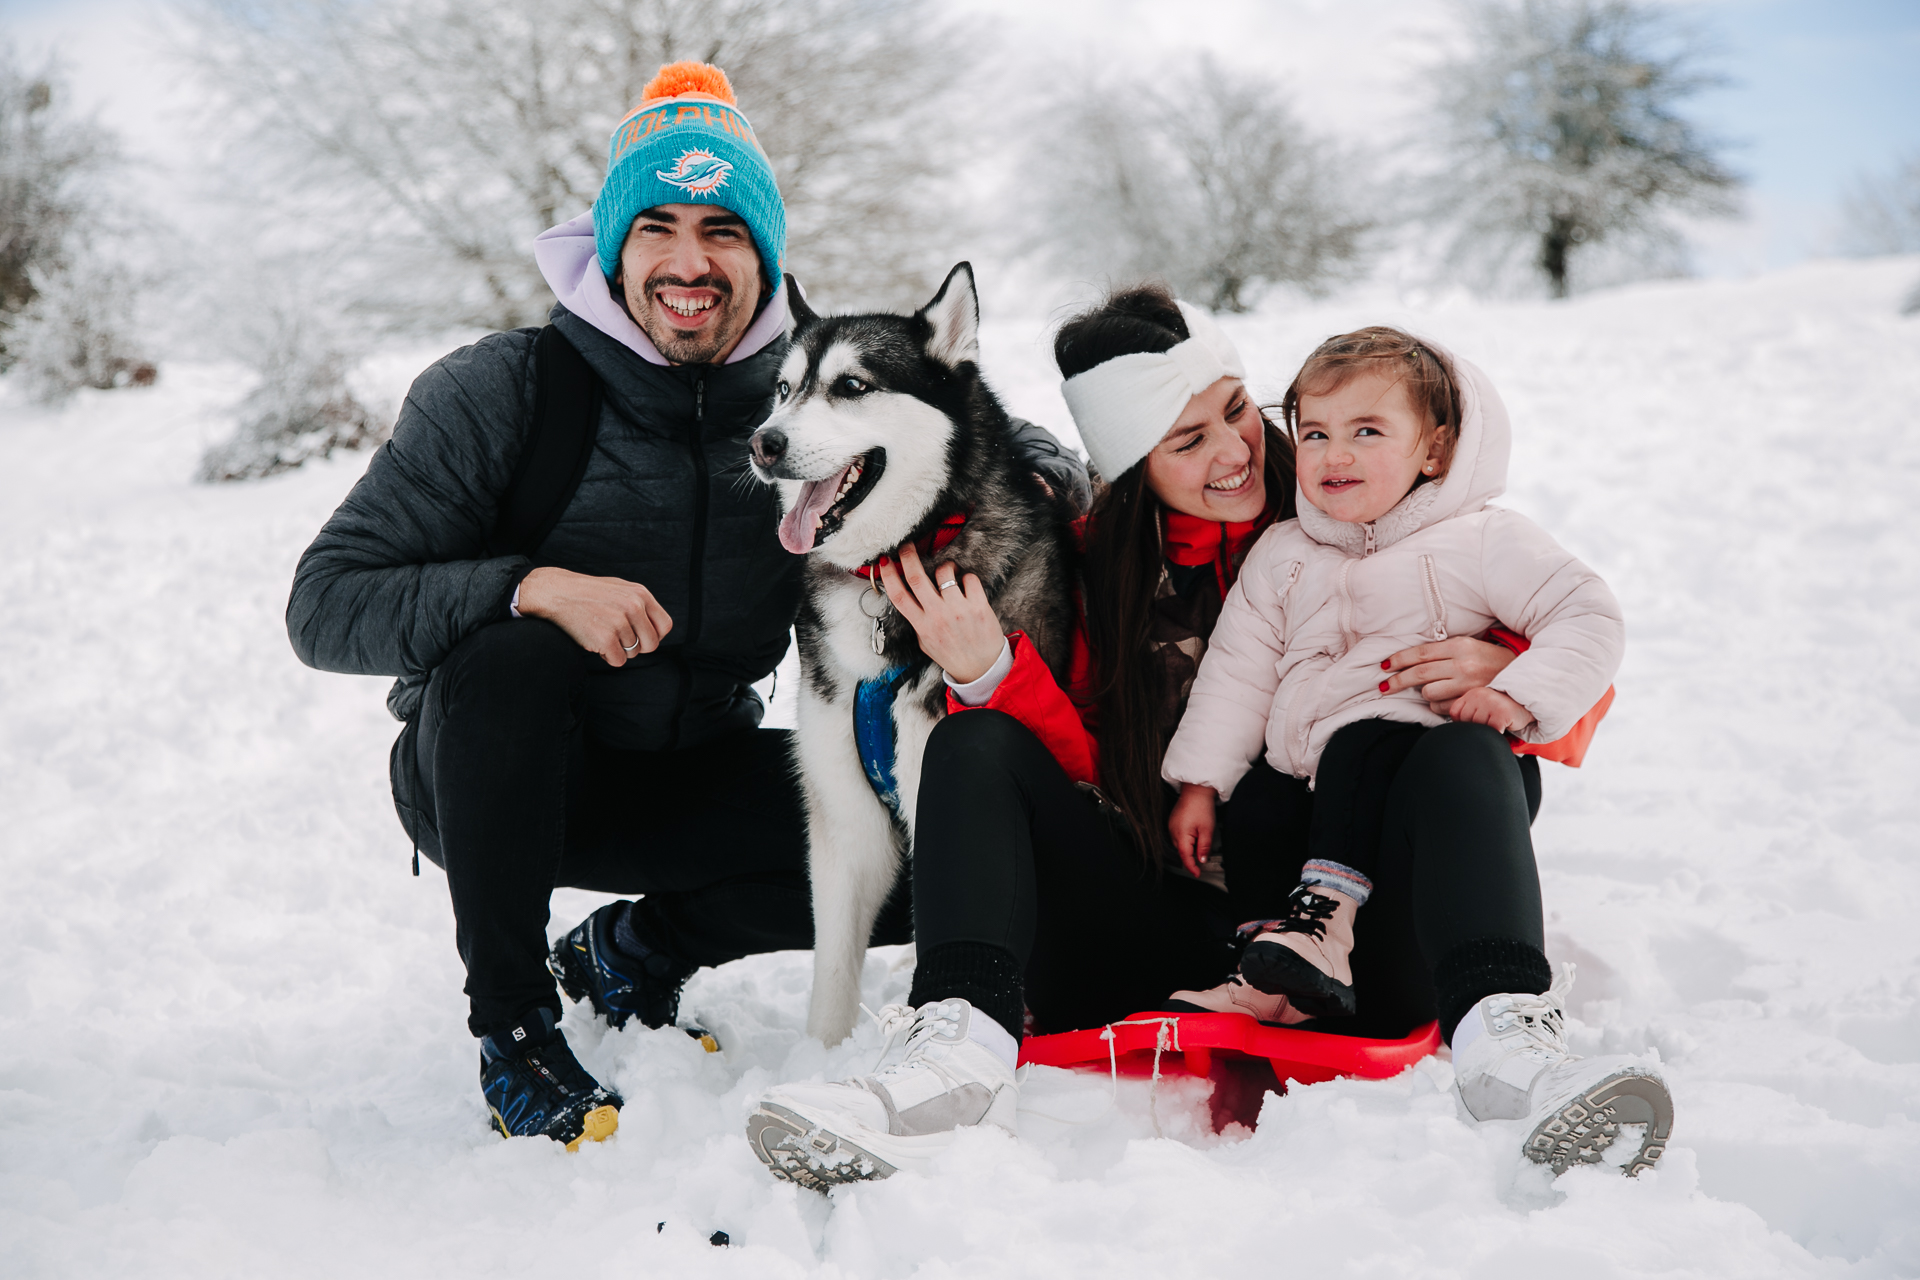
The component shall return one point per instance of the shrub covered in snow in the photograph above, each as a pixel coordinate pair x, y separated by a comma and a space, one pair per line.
75, 332
301, 409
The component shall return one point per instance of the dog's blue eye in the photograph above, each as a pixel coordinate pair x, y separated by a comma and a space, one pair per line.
851, 386
782, 390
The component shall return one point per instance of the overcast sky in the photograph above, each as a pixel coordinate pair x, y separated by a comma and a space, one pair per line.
1821, 89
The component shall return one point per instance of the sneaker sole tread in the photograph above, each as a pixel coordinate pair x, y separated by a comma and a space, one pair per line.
794, 1148
1582, 1129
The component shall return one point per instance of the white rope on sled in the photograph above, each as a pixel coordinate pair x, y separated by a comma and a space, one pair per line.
1168, 1037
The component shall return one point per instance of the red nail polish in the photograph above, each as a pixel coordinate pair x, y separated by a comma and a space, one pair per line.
1383, 686
1386, 664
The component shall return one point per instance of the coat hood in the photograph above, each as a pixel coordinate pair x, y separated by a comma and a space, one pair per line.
571, 265
1478, 474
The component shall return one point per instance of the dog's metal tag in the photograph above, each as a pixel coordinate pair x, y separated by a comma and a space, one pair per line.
880, 618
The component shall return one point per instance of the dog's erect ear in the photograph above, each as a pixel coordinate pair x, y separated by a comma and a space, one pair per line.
803, 315
954, 315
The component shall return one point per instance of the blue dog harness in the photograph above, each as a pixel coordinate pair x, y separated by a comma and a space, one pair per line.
874, 733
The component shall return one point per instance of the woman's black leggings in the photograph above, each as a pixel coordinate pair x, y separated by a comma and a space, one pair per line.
1020, 881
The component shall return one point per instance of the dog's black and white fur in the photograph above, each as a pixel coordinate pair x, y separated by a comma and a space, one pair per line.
894, 412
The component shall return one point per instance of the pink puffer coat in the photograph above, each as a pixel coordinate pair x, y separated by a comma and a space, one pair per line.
1319, 604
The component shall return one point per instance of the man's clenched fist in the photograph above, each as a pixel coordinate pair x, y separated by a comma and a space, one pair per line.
612, 617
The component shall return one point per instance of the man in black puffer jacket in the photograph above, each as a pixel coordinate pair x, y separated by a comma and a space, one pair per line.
584, 714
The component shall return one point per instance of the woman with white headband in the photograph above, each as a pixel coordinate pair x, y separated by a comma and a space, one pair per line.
1043, 877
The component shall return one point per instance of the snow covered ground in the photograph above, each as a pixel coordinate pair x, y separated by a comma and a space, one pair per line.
231, 1033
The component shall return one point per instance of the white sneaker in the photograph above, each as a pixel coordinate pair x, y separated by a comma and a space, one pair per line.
1513, 1064
900, 1116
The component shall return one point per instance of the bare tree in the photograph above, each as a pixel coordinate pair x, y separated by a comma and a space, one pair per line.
1209, 183
1881, 213
441, 136
1560, 132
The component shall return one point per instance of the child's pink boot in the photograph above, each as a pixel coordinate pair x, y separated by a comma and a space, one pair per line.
1235, 996
1303, 955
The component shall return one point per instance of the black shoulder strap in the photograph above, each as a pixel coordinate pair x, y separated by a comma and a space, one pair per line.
566, 414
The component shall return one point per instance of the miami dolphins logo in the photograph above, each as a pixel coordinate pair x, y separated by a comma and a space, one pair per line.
698, 173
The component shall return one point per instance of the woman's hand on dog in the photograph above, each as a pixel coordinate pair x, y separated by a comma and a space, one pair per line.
612, 617
958, 629
1445, 669
1191, 824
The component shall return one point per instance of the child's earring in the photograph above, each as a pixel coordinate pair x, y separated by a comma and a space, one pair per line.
1428, 468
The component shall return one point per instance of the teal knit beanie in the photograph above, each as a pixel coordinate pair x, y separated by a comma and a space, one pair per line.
688, 143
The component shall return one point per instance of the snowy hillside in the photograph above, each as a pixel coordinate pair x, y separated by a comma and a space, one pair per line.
232, 1038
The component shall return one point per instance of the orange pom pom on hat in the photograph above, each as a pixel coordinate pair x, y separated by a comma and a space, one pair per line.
689, 143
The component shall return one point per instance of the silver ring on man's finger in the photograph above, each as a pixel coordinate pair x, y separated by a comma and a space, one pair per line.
631, 647
950, 582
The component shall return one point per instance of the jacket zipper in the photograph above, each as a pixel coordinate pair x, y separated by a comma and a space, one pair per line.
1436, 606
1297, 723
699, 507
697, 558
1296, 731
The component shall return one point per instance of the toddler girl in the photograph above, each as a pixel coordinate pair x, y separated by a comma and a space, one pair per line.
1400, 449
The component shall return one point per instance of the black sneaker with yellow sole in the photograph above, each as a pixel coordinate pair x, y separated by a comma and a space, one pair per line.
622, 981
535, 1087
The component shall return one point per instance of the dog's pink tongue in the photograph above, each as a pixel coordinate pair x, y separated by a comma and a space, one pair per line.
798, 526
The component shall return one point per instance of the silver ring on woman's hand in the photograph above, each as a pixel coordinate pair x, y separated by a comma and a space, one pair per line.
950, 582
631, 647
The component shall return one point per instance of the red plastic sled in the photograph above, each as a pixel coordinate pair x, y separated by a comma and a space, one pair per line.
1243, 1057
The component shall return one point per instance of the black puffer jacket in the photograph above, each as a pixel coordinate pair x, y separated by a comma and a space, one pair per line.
400, 574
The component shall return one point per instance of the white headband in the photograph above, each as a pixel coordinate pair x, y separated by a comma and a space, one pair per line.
1124, 407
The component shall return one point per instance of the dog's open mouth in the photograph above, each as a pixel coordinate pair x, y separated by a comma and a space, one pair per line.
824, 505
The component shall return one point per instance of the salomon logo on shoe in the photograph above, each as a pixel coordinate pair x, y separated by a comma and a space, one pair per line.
542, 1090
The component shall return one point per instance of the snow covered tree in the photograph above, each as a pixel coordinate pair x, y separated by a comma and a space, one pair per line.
46, 157
1208, 182
66, 309
1559, 132
438, 137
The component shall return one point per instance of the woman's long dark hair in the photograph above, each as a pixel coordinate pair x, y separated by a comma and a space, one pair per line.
1121, 570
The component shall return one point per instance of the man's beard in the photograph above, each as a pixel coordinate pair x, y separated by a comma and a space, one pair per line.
701, 346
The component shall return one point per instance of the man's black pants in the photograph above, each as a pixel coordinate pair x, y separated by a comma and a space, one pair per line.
714, 835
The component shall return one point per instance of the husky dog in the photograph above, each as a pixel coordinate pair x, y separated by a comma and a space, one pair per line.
883, 433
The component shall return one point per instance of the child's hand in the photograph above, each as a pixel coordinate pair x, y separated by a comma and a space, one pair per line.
1191, 824
1492, 708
